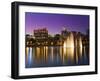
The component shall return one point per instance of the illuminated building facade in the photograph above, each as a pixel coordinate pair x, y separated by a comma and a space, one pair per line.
41, 33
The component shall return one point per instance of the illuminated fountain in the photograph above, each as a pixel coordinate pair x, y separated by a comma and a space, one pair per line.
80, 42
70, 44
80, 46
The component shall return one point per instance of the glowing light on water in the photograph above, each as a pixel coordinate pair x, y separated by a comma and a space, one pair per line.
52, 50
30, 56
26, 51
38, 51
46, 51
80, 46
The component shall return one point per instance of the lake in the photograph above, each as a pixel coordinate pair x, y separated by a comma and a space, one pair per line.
52, 56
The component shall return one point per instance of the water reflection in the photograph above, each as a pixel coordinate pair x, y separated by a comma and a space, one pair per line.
47, 56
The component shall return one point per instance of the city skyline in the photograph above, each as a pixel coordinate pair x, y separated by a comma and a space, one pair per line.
47, 44
55, 22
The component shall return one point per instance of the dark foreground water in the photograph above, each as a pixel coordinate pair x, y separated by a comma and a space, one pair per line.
52, 56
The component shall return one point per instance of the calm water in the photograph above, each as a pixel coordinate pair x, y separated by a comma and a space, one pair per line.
55, 56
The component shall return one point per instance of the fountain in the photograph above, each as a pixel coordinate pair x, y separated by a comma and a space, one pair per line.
80, 46
69, 46
80, 42
71, 43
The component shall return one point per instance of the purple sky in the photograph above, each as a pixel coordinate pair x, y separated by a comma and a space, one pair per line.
55, 22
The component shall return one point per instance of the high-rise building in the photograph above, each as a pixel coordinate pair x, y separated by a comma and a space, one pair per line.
41, 33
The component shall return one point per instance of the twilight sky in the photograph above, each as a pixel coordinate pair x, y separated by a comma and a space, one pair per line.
55, 22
